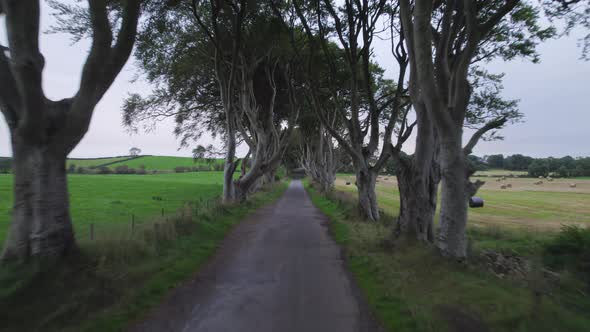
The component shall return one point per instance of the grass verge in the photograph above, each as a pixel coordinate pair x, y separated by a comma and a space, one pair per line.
120, 277
411, 288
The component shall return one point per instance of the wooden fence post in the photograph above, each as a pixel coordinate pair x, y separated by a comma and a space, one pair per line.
156, 235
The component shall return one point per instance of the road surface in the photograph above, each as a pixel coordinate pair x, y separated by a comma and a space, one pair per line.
277, 271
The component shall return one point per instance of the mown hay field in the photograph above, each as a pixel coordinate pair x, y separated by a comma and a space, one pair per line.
524, 206
500, 172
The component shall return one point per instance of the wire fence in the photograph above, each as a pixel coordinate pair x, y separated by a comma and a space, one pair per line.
140, 226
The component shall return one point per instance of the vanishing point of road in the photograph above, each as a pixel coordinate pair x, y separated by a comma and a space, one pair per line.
277, 271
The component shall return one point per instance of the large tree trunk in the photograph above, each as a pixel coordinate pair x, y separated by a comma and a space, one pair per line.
269, 177
261, 173
44, 132
319, 163
327, 163
453, 213
326, 181
418, 179
418, 194
41, 224
365, 182
229, 191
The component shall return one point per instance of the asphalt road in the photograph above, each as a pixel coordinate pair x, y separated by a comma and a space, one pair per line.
278, 271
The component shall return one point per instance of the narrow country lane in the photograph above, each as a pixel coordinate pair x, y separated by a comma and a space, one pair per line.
278, 271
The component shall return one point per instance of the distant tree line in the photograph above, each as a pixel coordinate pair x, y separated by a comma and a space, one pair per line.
5, 165
564, 167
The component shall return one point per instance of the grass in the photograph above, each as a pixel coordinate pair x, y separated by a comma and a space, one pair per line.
119, 278
519, 221
107, 200
519, 208
412, 289
163, 162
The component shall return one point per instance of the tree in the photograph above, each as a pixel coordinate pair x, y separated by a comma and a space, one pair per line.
495, 161
419, 174
208, 153
260, 75
317, 153
517, 162
538, 168
43, 132
369, 95
134, 152
575, 13
221, 66
199, 153
444, 40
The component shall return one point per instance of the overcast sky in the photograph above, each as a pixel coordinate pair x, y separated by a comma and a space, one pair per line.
554, 99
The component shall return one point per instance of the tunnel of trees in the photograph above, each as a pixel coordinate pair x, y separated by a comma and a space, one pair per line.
291, 80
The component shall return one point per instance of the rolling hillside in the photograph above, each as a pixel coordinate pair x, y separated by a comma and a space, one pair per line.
95, 162
159, 163
163, 163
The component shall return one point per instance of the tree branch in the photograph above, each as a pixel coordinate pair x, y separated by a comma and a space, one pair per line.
22, 27
102, 37
487, 26
102, 65
124, 45
491, 125
9, 96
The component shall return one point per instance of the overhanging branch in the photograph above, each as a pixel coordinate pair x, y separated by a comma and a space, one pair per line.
491, 125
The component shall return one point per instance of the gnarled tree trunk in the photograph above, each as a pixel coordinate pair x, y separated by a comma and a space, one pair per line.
43, 132
41, 224
418, 194
418, 181
452, 239
229, 191
365, 182
318, 160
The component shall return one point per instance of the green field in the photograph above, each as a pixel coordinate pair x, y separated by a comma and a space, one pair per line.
163, 162
107, 200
